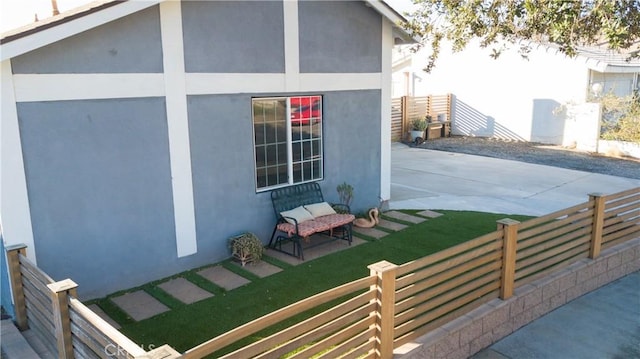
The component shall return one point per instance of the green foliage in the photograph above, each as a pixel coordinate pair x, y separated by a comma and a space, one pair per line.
246, 248
620, 118
345, 192
419, 124
500, 23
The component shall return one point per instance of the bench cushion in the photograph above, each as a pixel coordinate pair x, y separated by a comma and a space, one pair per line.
300, 214
319, 224
319, 209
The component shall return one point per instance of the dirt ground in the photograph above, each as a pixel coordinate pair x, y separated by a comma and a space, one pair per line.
537, 153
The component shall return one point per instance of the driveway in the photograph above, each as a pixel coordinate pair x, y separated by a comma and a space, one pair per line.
430, 179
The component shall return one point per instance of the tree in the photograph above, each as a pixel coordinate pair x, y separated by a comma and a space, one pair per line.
504, 23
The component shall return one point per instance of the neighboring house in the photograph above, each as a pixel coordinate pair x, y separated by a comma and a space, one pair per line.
138, 136
515, 98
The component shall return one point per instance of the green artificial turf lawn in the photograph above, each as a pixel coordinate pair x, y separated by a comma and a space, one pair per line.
186, 326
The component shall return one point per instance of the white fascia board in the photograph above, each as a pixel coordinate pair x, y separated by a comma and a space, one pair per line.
392, 16
386, 11
603, 67
56, 33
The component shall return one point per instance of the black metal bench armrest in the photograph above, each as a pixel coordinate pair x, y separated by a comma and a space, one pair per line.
295, 222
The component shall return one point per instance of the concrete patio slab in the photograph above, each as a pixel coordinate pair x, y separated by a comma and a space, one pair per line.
96, 309
223, 277
404, 217
184, 291
261, 269
370, 232
315, 252
394, 226
139, 305
429, 214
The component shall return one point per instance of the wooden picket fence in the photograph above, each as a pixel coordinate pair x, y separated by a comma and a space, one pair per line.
368, 317
407, 108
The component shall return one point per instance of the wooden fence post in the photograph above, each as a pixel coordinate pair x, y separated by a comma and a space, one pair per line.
598, 223
448, 107
509, 228
15, 277
405, 121
386, 273
60, 292
163, 352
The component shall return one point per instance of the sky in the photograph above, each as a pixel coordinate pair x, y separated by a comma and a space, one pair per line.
16, 13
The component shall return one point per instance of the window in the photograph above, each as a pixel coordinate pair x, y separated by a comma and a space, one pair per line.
287, 140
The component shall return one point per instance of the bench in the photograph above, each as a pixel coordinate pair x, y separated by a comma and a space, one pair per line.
302, 211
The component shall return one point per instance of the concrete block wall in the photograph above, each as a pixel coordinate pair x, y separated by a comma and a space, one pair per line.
485, 325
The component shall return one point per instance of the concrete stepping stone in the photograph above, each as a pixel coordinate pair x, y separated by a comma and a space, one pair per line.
394, 226
96, 309
139, 305
370, 232
314, 252
429, 214
223, 277
261, 269
404, 217
184, 291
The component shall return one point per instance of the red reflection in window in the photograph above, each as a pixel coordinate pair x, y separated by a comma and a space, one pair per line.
305, 110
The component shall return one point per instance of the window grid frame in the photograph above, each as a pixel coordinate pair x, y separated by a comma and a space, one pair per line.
315, 135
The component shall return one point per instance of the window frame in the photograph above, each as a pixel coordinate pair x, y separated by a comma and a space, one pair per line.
290, 141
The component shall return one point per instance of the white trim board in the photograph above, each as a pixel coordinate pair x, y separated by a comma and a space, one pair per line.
385, 113
178, 125
291, 44
62, 87
15, 213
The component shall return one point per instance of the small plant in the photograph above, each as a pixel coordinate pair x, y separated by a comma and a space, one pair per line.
418, 124
428, 118
345, 192
620, 118
246, 248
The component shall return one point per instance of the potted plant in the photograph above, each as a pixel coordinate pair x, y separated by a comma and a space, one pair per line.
417, 128
246, 248
345, 192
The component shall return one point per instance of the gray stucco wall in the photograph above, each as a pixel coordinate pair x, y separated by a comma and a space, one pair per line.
223, 172
339, 36
233, 36
131, 44
100, 190
352, 145
223, 165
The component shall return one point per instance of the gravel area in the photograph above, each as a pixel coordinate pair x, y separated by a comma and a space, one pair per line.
537, 153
